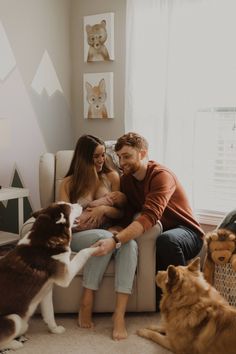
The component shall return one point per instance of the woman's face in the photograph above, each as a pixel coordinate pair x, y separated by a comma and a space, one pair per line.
99, 157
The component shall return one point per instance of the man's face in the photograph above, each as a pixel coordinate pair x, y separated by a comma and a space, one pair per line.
129, 159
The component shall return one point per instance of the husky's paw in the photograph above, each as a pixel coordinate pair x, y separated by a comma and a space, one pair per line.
14, 344
57, 329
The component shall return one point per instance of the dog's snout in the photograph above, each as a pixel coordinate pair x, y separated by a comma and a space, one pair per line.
221, 259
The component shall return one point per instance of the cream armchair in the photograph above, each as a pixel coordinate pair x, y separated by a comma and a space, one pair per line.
52, 168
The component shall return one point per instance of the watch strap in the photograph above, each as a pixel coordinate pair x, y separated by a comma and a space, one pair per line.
117, 241
115, 238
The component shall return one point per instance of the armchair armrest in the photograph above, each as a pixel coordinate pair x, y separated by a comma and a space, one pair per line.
27, 226
146, 269
47, 179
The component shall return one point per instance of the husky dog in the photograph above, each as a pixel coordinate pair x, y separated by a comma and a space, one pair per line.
27, 273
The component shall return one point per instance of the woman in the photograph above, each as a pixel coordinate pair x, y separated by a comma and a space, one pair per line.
89, 178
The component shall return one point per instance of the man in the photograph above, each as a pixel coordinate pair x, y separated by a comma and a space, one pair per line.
155, 193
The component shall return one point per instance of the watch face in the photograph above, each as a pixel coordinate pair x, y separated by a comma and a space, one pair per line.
118, 245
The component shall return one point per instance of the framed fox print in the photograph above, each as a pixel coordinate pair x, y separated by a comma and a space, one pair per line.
99, 37
98, 95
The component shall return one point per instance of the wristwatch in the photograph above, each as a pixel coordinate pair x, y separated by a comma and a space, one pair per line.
117, 241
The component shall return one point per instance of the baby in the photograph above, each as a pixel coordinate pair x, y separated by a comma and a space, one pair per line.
85, 222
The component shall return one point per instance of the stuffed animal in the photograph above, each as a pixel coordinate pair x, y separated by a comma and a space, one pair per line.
221, 249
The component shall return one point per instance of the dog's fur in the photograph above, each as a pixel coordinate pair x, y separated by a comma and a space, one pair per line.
27, 273
196, 318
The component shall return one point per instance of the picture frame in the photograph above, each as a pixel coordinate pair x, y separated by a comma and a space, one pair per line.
98, 95
99, 37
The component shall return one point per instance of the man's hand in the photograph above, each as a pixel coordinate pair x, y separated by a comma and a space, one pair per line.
105, 245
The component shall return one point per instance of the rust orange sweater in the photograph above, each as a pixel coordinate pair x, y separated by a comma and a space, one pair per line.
158, 197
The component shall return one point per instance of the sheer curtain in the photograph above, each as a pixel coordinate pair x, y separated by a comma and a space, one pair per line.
181, 59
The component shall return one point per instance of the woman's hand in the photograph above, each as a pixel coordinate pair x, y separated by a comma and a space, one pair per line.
96, 214
91, 218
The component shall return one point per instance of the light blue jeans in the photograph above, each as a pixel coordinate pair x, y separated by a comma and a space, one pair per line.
125, 261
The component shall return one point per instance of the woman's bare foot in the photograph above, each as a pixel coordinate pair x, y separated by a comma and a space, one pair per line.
85, 316
119, 330
86, 308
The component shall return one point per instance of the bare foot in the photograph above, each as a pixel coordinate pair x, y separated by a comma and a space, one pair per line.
85, 316
119, 330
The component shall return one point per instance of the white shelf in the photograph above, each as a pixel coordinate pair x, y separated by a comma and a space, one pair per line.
8, 238
13, 193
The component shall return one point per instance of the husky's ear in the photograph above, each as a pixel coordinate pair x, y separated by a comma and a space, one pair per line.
194, 265
173, 275
35, 214
61, 219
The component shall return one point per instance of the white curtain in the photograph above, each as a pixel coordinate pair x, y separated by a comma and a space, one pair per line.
181, 58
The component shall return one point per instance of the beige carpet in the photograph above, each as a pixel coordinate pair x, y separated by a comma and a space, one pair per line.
76, 340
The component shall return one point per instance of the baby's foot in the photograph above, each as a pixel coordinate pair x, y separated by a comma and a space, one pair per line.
85, 316
119, 330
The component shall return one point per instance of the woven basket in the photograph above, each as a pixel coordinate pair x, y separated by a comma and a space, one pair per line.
225, 282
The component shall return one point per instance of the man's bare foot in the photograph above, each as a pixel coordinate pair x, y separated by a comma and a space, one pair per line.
85, 316
119, 330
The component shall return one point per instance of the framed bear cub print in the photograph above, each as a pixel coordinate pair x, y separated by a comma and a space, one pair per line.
99, 37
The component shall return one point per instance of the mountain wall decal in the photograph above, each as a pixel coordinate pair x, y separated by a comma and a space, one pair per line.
9, 211
46, 77
7, 59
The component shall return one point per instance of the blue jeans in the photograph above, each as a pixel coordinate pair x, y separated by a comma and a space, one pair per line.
177, 246
125, 261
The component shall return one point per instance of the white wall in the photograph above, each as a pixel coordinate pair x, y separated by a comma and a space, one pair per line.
38, 118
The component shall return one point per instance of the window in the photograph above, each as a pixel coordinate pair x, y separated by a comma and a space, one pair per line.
215, 161
180, 59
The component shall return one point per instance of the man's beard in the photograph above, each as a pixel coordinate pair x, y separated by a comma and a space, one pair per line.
130, 170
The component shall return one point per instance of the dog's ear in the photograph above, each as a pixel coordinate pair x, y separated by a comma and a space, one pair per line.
42, 220
61, 219
173, 275
194, 266
35, 214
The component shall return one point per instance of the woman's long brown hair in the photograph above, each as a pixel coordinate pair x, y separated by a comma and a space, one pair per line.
82, 172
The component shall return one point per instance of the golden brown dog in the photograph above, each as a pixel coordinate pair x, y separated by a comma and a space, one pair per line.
196, 318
